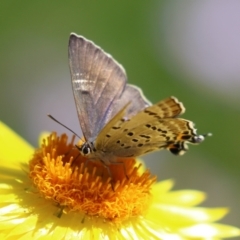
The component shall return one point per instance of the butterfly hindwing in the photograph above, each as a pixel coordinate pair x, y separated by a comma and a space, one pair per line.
156, 127
168, 108
134, 95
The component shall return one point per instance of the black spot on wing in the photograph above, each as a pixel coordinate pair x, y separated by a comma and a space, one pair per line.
144, 136
150, 113
185, 137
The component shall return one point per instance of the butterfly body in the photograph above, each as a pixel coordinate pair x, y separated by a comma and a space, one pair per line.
117, 121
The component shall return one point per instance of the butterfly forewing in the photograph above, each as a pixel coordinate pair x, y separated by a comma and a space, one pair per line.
97, 81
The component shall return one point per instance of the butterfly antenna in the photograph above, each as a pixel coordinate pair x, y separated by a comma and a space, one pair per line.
55, 120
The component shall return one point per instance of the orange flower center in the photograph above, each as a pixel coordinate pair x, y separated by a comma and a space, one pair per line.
75, 183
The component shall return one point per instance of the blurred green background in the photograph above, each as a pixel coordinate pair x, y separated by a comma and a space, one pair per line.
168, 48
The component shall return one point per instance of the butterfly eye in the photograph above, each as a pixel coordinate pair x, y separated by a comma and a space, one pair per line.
85, 149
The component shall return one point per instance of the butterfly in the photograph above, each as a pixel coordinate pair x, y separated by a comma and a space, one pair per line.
117, 121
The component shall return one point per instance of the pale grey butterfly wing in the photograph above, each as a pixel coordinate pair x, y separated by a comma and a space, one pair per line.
93, 72
133, 95
99, 86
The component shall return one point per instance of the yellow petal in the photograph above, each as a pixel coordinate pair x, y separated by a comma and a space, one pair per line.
210, 230
182, 216
162, 187
13, 147
182, 197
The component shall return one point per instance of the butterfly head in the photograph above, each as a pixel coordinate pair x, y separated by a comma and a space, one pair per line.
85, 148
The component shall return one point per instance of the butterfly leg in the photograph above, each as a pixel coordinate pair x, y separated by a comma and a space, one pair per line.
60, 212
72, 163
83, 219
109, 173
